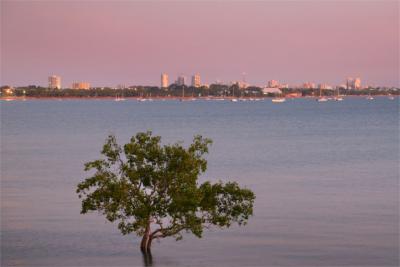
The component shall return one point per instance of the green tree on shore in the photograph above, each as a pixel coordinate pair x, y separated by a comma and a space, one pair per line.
152, 190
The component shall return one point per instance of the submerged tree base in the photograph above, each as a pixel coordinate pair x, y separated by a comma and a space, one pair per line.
147, 258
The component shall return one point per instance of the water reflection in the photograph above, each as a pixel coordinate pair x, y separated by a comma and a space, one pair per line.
147, 258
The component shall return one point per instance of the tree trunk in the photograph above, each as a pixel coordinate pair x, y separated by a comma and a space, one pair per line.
145, 245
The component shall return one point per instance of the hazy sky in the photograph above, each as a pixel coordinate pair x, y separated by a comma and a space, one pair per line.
132, 42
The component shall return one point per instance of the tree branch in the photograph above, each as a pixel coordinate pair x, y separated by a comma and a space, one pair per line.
155, 232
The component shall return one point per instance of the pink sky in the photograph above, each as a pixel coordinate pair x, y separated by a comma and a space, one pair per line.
129, 42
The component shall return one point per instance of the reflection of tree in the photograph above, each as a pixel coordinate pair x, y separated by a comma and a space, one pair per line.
147, 258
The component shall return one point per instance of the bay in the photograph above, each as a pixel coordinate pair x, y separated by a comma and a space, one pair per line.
325, 175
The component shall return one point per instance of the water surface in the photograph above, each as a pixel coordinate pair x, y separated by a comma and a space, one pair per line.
325, 176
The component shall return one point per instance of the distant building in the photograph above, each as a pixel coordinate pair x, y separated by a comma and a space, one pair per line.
55, 82
164, 80
241, 84
309, 85
353, 83
273, 84
196, 80
323, 86
181, 80
357, 83
349, 83
7, 90
80, 85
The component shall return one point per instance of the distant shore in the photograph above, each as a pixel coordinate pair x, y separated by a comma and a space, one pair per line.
21, 98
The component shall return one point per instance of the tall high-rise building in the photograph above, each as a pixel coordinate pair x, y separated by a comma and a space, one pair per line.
357, 83
55, 82
241, 84
164, 80
181, 80
81, 85
323, 86
349, 83
309, 85
273, 84
196, 80
353, 83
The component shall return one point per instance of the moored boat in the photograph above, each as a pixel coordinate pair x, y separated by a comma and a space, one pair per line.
278, 100
322, 99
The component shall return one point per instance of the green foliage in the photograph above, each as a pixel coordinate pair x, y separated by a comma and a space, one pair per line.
144, 184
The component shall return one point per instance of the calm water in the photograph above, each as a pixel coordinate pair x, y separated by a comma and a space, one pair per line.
325, 175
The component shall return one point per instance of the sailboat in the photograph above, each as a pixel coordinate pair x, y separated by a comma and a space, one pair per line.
321, 98
119, 98
142, 99
278, 99
193, 98
233, 99
338, 97
241, 98
369, 97
391, 97
183, 94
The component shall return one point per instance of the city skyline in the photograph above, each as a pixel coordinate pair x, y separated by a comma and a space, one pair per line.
322, 42
54, 82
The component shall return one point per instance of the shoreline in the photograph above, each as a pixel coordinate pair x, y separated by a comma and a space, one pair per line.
21, 98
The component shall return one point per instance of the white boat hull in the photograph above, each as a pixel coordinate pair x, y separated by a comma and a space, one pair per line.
278, 100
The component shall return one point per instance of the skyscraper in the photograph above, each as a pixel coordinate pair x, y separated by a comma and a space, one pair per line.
357, 83
196, 80
164, 80
353, 83
181, 80
309, 85
324, 86
349, 83
273, 84
55, 82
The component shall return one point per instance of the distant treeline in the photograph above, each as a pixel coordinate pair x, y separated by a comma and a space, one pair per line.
215, 90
